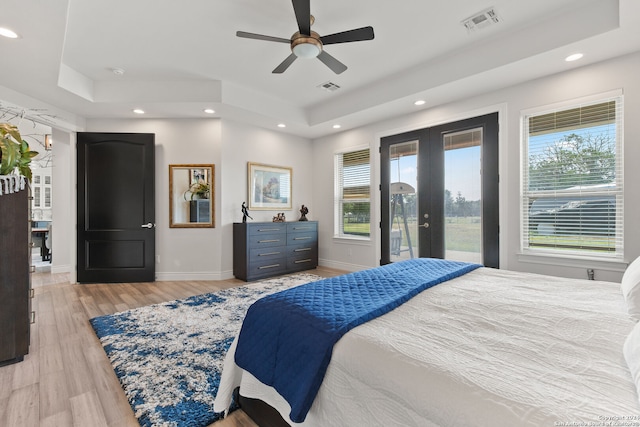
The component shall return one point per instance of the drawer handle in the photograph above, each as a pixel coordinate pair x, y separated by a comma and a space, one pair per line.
302, 250
302, 238
262, 230
300, 261
269, 253
302, 228
33, 317
268, 241
268, 266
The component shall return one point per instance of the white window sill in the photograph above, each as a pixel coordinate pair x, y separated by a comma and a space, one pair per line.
596, 262
349, 240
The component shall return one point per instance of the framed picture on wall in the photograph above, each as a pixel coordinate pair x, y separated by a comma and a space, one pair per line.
269, 187
198, 175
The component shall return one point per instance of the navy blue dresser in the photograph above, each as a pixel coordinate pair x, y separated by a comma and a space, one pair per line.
265, 249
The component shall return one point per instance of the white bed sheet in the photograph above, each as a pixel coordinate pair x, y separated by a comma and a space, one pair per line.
490, 348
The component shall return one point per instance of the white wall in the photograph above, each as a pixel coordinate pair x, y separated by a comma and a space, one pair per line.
243, 144
619, 73
62, 203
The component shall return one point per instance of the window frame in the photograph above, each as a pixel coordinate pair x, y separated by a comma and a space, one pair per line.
339, 200
617, 191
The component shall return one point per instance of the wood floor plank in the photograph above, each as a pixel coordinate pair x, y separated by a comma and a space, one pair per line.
61, 419
86, 410
22, 408
53, 394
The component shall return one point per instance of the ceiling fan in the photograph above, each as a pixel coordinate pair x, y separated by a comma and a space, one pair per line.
309, 44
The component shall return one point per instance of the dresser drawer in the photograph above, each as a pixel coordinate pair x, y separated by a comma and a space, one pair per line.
302, 227
264, 253
266, 240
308, 238
301, 263
268, 228
267, 267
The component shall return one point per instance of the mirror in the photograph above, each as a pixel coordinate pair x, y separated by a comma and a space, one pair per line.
191, 196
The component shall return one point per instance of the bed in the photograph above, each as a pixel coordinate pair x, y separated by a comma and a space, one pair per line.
488, 348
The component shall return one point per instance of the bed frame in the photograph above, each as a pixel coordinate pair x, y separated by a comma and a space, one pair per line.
261, 413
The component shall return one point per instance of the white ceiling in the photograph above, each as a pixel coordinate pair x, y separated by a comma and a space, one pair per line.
182, 57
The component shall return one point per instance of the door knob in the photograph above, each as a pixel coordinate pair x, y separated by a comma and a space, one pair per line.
148, 225
425, 225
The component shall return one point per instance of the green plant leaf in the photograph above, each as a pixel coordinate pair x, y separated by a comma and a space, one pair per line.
10, 156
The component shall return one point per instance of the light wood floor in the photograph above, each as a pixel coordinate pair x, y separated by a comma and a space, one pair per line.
66, 379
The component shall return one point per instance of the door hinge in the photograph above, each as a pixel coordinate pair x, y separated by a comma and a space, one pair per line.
380, 224
379, 187
380, 149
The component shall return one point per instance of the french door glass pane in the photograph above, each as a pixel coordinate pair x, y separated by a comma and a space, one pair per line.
403, 187
463, 201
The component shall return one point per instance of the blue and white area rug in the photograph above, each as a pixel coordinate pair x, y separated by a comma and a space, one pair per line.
168, 357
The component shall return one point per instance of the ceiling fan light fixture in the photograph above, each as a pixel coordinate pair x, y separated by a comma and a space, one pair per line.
304, 46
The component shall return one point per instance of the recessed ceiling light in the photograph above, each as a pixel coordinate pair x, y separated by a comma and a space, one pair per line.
336, 126
138, 111
8, 33
282, 125
573, 57
420, 102
209, 110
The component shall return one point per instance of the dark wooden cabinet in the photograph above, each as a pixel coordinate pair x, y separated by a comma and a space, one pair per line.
15, 279
265, 249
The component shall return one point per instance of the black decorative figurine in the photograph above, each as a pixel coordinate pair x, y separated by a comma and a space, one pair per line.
303, 213
245, 212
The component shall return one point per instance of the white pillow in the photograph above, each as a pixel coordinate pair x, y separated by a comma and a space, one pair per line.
632, 355
631, 288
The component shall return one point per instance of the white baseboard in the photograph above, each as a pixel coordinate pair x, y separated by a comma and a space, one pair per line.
60, 269
342, 265
166, 276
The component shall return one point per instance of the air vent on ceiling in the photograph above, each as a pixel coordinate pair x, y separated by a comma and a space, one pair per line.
481, 20
329, 86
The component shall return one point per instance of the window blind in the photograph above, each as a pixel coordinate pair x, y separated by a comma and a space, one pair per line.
352, 177
573, 180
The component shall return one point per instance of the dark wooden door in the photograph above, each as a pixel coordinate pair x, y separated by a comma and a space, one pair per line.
424, 213
116, 207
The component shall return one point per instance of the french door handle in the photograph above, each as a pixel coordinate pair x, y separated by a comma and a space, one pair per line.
425, 225
148, 225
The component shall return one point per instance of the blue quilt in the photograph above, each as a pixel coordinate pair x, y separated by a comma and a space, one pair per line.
287, 338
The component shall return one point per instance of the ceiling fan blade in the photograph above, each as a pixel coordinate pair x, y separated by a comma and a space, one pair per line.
285, 64
357, 35
302, 8
246, 35
331, 62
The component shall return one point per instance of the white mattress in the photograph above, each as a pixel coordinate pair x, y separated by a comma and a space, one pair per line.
490, 348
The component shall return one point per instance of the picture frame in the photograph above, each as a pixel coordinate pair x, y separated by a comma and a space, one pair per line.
198, 174
269, 187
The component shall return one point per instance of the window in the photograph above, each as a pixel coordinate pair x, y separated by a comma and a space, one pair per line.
36, 197
572, 195
352, 194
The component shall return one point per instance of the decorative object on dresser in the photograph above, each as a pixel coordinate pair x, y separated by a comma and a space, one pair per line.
245, 212
269, 187
303, 213
279, 217
264, 249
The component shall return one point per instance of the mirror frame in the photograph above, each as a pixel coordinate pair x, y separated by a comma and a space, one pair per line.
211, 179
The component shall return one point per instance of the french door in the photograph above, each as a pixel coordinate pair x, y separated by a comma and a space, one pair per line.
439, 192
